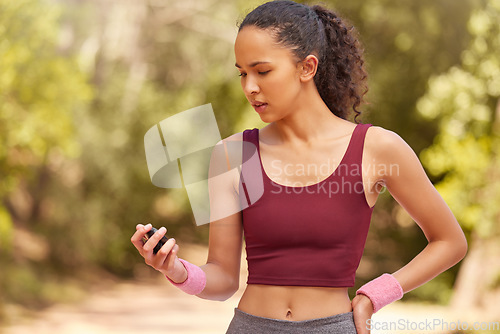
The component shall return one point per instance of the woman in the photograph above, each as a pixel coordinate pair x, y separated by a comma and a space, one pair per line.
302, 70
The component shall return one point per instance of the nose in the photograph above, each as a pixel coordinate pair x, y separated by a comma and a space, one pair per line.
250, 86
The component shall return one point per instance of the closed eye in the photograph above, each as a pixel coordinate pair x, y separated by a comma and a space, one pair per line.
260, 73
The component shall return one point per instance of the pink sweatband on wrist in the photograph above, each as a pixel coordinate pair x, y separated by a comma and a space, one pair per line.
382, 291
195, 281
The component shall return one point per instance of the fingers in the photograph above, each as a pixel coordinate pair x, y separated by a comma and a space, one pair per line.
136, 239
165, 252
173, 254
153, 241
358, 322
361, 327
362, 312
163, 259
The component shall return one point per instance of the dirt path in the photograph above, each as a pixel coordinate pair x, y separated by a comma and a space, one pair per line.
148, 307
155, 306
132, 308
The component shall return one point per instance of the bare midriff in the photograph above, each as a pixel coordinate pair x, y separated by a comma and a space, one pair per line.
294, 303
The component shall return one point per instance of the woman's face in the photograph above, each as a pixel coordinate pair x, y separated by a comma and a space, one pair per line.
270, 75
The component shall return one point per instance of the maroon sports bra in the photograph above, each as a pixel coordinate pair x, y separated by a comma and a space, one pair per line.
305, 236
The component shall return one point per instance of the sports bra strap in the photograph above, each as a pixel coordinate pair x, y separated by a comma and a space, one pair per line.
354, 153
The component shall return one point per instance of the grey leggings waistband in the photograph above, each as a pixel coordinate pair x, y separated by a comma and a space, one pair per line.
243, 323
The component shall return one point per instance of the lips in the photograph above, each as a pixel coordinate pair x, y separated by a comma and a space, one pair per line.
258, 103
259, 106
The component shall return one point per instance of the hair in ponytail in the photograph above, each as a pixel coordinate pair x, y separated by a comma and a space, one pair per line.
341, 76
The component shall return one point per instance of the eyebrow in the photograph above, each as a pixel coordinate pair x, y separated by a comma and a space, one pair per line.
255, 63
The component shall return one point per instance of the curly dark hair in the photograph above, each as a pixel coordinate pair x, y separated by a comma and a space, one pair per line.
341, 76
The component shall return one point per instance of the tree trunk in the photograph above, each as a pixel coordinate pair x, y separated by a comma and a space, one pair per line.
477, 282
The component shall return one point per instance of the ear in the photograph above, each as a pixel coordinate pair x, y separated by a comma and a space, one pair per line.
308, 69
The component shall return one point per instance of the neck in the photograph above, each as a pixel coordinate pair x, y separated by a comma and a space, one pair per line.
309, 121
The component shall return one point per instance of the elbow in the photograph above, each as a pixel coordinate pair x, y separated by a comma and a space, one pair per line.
453, 250
462, 249
221, 295
229, 292
459, 249
231, 286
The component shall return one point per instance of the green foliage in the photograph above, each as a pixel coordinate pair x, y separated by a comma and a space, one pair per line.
465, 154
39, 90
406, 42
6, 230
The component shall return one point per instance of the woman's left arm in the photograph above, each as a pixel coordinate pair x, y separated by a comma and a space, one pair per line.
406, 180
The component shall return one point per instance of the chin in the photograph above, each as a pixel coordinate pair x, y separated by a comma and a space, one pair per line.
266, 119
269, 118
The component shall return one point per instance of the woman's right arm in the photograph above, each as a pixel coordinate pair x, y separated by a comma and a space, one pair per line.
226, 229
224, 257
225, 237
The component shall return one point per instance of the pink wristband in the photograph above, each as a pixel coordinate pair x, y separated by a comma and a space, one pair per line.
195, 281
382, 291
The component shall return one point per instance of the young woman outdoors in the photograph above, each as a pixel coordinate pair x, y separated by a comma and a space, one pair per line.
302, 70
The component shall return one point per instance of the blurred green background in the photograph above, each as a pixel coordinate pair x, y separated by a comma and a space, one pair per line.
81, 81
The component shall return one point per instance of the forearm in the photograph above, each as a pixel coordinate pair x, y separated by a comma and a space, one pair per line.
434, 259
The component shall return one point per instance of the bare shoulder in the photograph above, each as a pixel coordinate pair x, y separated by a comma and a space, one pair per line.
394, 158
382, 138
383, 144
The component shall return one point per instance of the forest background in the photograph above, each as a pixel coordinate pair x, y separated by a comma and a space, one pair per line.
81, 81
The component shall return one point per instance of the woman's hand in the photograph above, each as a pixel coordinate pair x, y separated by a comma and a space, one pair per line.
362, 309
166, 260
